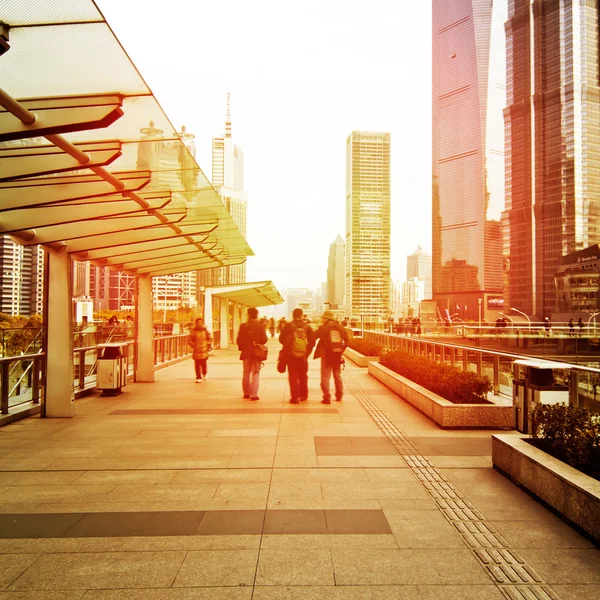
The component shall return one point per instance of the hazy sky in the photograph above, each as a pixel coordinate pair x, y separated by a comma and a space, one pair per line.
302, 76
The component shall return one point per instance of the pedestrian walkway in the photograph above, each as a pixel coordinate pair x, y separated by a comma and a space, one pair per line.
180, 490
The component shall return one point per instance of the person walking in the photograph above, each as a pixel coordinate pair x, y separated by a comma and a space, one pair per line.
333, 340
571, 328
201, 342
580, 325
298, 340
250, 333
272, 327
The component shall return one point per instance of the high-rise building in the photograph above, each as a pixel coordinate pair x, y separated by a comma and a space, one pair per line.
418, 264
21, 278
336, 274
552, 143
228, 181
368, 226
468, 89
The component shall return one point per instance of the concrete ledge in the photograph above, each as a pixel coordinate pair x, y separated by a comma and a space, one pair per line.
21, 411
444, 413
569, 492
359, 359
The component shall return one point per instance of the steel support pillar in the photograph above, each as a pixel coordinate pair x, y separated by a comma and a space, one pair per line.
224, 322
145, 330
59, 398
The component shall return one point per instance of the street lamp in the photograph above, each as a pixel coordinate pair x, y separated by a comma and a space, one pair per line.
479, 301
522, 313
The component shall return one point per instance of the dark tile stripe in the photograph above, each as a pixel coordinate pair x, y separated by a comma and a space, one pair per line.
353, 446
184, 523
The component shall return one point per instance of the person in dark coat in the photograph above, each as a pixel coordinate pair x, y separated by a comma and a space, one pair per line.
250, 333
297, 339
331, 358
201, 342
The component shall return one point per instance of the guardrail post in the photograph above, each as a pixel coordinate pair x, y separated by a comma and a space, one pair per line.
479, 363
465, 360
496, 371
452, 356
574, 389
35, 380
81, 369
4, 388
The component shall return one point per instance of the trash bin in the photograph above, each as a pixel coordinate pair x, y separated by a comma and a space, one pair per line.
112, 368
533, 384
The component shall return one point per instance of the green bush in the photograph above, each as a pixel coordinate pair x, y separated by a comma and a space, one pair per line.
448, 382
365, 347
569, 433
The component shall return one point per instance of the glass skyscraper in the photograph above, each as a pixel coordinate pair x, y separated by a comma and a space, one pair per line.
368, 226
553, 144
467, 155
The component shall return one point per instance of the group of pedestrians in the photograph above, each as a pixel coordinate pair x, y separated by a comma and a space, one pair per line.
298, 340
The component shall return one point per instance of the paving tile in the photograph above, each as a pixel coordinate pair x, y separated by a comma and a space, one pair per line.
295, 542
223, 476
56, 493
109, 570
247, 462
281, 475
578, 592
408, 504
242, 491
360, 461
460, 462
93, 464
199, 491
36, 525
73, 595
565, 565
306, 503
59, 545
460, 592
357, 522
398, 489
217, 568
541, 534
295, 521
277, 567
232, 522
121, 477
212, 593
390, 475
336, 593
38, 478
407, 567
136, 524
423, 529
13, 565
94, 507
212, 462
305, 460
190, 542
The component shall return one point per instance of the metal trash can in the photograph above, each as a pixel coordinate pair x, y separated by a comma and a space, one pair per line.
533, 384
112, 368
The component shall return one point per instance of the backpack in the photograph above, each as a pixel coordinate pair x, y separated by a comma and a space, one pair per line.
299, 343
334, 343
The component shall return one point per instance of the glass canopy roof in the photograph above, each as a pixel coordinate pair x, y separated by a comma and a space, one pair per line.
64, 52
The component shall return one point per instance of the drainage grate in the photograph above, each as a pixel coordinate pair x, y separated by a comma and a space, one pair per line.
516, 579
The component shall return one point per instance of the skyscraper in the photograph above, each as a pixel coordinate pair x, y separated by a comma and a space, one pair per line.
368, 226
228, 181
336, 274
467, 154
418, 264
553, 144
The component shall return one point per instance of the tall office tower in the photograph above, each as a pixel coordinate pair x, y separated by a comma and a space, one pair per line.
418, 264
336, 274
467, 154
368, 226
413, 290
552, 142
228, 181
21, 278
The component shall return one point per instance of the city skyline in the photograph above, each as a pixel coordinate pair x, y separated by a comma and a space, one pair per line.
299, 85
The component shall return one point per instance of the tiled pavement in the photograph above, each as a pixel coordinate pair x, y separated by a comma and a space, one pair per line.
177, 491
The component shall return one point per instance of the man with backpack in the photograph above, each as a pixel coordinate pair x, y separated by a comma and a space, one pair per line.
333, 340
298, 341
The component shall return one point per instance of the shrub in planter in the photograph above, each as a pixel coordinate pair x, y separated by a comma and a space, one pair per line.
446, 381
569, 433
365, 347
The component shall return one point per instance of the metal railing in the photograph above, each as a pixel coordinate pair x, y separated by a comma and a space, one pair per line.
583, 381
22, 379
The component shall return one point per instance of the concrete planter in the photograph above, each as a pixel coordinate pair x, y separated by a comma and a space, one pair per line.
441, 411
359, 359
571, 493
